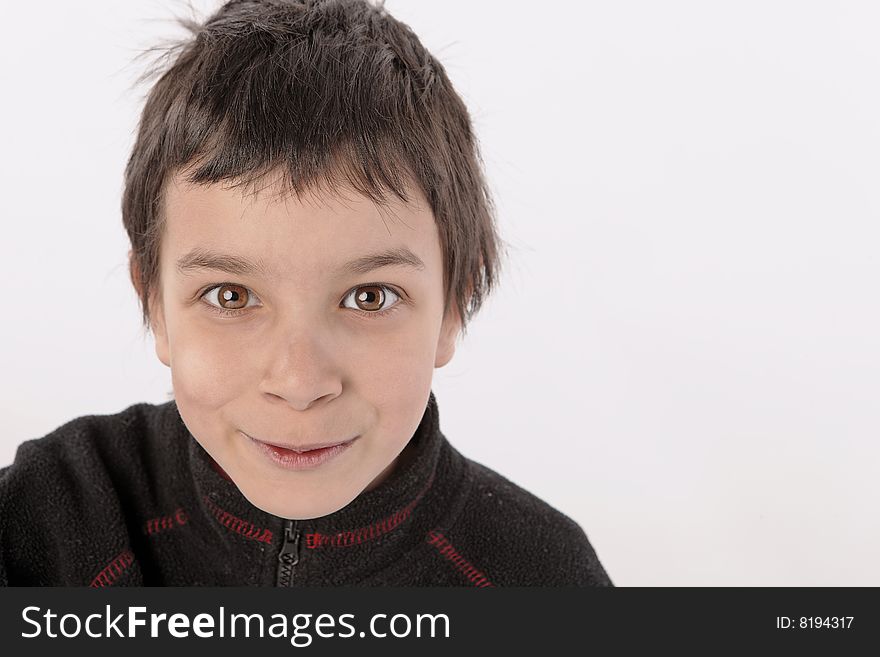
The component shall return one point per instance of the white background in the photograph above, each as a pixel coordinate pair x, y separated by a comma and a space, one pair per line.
683, 356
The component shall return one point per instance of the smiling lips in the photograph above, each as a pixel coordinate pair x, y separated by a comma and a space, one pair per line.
300, 448
301, 457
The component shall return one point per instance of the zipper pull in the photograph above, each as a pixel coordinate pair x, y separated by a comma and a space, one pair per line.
289, 555
290, 548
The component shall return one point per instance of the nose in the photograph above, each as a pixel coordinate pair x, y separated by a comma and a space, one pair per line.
301, 372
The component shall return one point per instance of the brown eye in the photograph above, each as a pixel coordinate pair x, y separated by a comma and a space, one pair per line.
230, 297
372, 298
369, 297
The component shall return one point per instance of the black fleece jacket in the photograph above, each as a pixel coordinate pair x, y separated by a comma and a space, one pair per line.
132, 499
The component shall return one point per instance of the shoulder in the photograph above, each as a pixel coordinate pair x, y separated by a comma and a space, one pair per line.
519, 539
67, 489
80, 449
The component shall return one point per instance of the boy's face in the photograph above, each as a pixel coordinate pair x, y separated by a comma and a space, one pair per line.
299, 364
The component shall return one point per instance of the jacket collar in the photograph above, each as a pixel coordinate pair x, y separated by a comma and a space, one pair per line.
369, 534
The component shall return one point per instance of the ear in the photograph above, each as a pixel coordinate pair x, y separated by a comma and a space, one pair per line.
157, 315
449, 332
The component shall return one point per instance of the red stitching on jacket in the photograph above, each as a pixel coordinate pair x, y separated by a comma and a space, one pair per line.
113, 570
238, 525
162, 523
368, 533
446, 549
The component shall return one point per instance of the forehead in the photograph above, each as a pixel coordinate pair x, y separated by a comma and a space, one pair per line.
286, 234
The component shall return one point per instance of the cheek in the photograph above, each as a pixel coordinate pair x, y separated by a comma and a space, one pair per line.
400, 408
397, 380
391, 366
205, 369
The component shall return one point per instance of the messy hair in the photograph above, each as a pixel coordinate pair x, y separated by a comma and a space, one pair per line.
328, 94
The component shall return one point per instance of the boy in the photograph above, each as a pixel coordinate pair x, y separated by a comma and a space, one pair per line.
310, 233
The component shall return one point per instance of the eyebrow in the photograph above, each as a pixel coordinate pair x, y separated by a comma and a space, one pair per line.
199, 259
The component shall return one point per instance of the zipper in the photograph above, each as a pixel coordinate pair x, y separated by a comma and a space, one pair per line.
289, 555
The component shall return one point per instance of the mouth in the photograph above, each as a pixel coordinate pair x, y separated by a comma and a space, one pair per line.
301, 449
299, 457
